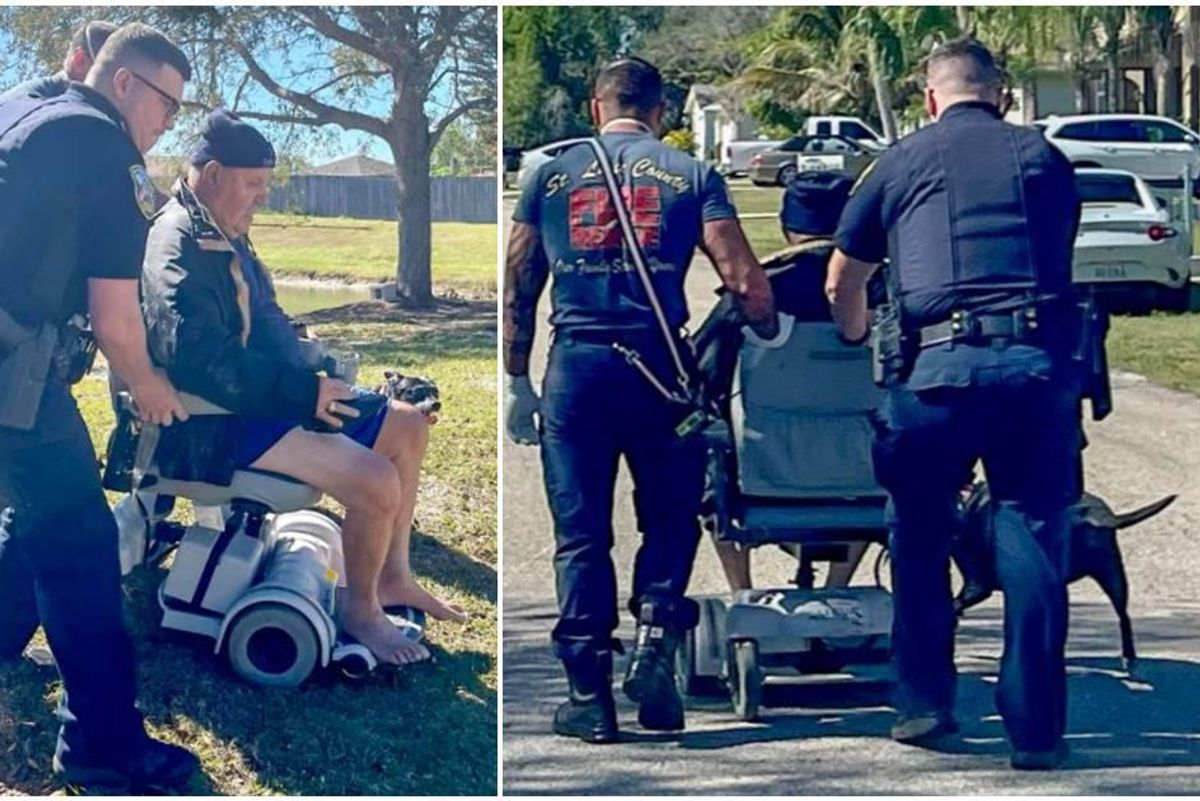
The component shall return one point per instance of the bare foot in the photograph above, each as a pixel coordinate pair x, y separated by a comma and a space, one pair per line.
382, 638
411, 593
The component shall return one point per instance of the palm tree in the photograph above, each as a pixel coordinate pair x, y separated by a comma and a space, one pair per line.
1157, 25
842, 58
1112, 21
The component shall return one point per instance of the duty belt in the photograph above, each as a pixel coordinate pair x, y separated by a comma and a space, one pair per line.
980, 327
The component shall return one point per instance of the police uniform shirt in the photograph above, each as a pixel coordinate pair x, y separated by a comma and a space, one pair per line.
45, 87
969, 200
669, 196
969, 211
73, 187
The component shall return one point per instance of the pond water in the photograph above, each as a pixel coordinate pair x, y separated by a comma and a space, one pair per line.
299, 299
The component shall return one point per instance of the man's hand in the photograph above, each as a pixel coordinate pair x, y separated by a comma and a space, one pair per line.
725, 243
521, 403
782, 334
156, 400
329, 410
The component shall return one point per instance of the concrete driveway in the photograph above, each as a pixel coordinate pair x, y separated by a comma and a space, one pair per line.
1130, 735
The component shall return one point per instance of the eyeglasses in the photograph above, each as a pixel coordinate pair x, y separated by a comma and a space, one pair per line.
173, 105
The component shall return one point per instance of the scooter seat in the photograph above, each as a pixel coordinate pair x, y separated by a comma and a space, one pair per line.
277, 492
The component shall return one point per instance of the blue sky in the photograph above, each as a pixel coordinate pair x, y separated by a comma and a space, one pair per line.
334, 142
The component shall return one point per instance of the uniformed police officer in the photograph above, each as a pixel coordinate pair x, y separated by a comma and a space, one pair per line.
81, 53
977, 218
596, 407
74, 207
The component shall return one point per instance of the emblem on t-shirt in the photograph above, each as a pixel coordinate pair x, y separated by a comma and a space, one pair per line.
143, 190
593, 220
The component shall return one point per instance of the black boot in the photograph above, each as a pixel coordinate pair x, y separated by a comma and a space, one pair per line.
590, 712
650, 679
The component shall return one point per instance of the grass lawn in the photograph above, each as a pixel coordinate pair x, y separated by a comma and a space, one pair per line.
464, 254
427, 729
1163, 347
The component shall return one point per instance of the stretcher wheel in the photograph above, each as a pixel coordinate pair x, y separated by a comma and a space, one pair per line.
745, 679
272, 645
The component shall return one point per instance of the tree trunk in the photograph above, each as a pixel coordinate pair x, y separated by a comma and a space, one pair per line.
411, 152
1162, 70
883, 94
1116, 85
1190, 101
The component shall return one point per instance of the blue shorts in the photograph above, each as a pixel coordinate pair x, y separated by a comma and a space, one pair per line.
259, 434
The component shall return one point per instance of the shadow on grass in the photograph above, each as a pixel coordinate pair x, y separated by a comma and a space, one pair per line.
425, 729
451, 568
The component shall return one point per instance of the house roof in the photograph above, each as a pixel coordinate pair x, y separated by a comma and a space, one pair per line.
353, 165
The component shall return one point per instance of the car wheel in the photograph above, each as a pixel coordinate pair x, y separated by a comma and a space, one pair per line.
786, 174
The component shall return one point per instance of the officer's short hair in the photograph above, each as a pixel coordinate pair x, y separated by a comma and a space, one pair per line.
91, 36
965, 64
631, 84
138, 44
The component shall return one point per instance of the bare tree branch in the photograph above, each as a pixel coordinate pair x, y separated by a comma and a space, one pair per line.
326, 26
479, 103
351, 120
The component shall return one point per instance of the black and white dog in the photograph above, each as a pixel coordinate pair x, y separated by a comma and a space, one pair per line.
1094, 552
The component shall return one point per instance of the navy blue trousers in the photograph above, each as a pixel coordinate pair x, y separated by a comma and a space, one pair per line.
59, 566
1027, 433
596, 408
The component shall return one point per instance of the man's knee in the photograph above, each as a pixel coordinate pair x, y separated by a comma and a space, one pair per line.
405, 430
377, 488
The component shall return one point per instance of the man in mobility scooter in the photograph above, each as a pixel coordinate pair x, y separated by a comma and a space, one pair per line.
75, 204
215, 326
616, 347
980, 349
812, 203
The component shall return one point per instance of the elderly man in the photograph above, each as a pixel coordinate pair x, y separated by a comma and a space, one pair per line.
214, 324
81, 53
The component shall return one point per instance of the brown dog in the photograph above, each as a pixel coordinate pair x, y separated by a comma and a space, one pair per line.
1094, 552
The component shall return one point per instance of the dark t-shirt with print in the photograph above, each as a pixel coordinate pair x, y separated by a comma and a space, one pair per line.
669, 195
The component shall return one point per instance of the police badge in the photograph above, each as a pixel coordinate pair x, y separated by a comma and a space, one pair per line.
144, 191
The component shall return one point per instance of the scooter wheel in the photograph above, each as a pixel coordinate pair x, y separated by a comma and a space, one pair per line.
272, 645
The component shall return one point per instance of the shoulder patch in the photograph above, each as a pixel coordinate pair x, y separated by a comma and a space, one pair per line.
144, 192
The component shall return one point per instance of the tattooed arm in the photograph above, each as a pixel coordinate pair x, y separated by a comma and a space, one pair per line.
525, 275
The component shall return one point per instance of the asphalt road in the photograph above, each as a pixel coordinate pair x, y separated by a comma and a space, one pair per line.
1129, 735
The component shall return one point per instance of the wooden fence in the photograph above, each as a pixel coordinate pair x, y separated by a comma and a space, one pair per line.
374, 197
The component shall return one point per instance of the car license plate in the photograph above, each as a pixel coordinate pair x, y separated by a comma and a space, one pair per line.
820, 163
1110, 271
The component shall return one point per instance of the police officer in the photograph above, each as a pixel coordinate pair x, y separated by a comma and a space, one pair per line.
596, 407
977, 219
74, 207
81, 53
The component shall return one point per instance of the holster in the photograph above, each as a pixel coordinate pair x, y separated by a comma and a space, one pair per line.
76, 351
26, 358
1092, 357
888, 362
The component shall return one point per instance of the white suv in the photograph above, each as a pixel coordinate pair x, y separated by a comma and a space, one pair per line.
1152, 147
